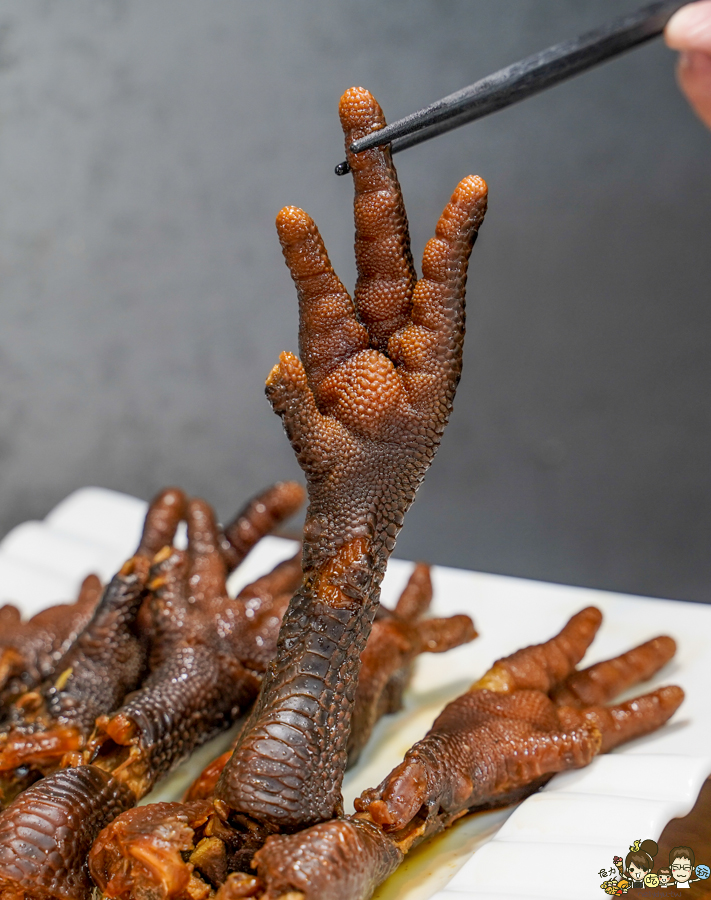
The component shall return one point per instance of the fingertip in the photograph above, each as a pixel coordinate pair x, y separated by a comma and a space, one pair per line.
293, 224
288, 380
467, 206
665, 645
690, 27
592, 615
273, 377
694, 77
670, 697
200, 515
291, 495
164, 512
170, 498
360, 113
292, 369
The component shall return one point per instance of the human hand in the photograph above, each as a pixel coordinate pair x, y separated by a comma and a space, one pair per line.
689, 31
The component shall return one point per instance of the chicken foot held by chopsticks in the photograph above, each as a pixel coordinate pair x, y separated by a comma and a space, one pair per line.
364, 407
491, 746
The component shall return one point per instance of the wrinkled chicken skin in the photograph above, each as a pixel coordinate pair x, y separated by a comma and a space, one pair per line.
64, 813
364, 407
31, 649
259, 517
161, 723
212, 657
118, 861
396, 639
105, 662
491, 746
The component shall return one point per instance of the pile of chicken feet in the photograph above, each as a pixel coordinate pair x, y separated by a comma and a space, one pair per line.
168, 659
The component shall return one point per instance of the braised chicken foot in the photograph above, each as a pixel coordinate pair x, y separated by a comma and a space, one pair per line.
364, 408
210, 658
530, 716
185, 843
31, 650
398, 636
106, 661
197, 685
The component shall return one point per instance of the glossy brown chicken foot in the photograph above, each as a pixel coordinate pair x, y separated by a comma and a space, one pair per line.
493, 745
63, 812
32, 649
178, 706
364, 408
344, 859
259, 516
397, 637
508, 732
105, 662
120, 851
212, 657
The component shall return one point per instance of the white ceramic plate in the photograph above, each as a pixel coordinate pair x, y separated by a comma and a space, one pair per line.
553, 844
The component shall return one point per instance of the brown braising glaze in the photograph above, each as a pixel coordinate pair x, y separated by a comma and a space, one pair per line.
364, 408
396, 639
221, 846
105, 662
200, 682
30, 650
64, 812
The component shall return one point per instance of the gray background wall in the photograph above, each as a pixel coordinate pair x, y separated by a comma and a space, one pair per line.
145, 148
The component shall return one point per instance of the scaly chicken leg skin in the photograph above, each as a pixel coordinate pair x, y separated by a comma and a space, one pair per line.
105, 662
32, 649
396, 639
364, 408
199, 638
153, 851
491, 746
207, 674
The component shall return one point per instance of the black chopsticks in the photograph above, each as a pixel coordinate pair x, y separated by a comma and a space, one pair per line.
522, 79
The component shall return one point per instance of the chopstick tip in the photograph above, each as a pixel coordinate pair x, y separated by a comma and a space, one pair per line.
342, 168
